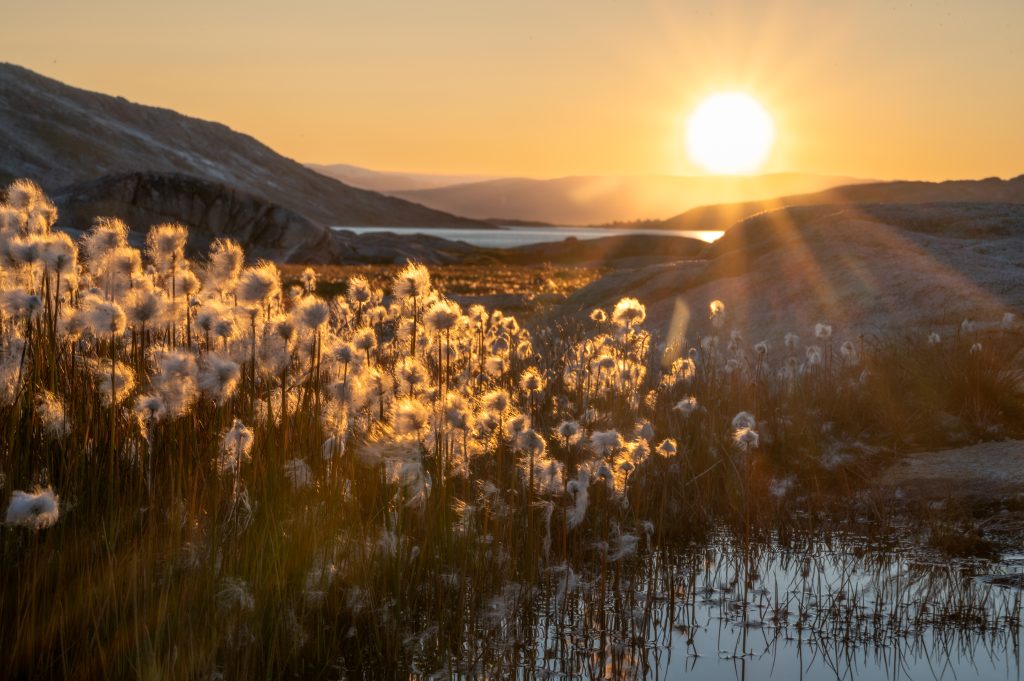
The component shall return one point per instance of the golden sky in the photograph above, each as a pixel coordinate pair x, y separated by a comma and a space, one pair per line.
924, 89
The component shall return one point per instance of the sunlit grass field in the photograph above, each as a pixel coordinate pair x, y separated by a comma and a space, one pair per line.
523, 290
219, 469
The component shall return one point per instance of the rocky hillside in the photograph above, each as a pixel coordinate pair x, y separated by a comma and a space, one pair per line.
213, 210
60, 135
882, 270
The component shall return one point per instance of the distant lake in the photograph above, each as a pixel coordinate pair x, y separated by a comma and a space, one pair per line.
509, 237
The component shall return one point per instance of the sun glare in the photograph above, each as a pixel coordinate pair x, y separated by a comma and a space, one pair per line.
730, 133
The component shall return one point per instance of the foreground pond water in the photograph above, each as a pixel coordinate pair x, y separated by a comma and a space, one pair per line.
825, 610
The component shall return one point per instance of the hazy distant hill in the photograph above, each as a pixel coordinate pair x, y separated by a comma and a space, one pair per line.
388, 182
722, 216
587, 200
60, 135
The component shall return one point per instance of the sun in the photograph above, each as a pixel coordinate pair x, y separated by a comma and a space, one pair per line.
730, 133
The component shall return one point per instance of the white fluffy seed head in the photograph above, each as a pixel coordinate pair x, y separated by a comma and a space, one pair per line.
106, 235
35, 510
716, 312
313, 312
235, 447
218, 377
410, 416
58, 253
359, 291
629, 312
496, 401
531, 381
165, 244
20, 304
102, 317
225, 264
23, 195
744, 420
442, 316
309, 280
52, 415
413, 281
114, 385
259, 285
686, 406
605, 442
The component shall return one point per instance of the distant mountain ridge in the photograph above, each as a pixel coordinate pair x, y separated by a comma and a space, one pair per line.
60, 135
389, 181
591, 200
724, 215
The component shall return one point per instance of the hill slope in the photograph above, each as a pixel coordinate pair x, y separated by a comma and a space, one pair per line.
878, 269
588, 200
60, 135
722, 216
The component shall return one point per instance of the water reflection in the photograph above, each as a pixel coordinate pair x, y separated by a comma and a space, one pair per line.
823, 610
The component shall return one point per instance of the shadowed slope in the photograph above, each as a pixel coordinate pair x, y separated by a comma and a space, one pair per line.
61, 135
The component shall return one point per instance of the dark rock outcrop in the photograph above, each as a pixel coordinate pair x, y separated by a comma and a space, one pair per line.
212, 211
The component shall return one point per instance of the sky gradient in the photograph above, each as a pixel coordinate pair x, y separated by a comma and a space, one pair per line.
928, 90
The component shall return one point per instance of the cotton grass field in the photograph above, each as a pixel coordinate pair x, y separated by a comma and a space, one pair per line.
211, 474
